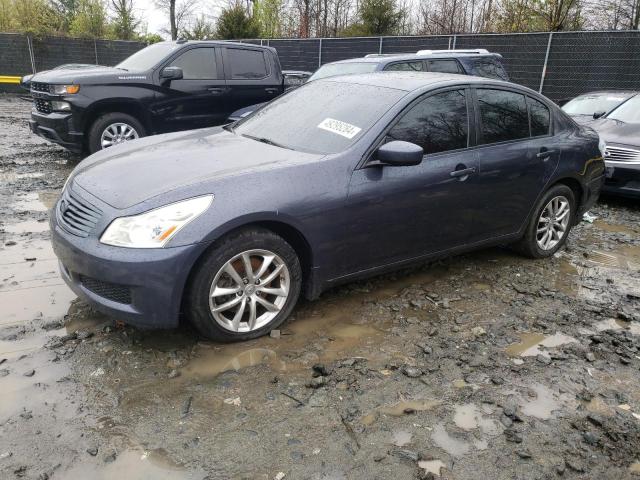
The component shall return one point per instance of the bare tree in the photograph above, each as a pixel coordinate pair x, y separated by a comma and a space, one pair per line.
179, 12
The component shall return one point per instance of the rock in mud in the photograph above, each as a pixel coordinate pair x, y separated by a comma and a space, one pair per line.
411, 372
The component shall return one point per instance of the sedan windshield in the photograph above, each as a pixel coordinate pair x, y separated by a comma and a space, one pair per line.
320, 117
148, 57
333, 69
628, 112
592, 103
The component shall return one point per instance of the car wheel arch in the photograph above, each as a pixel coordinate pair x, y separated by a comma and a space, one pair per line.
130, 108
291, 234
575, 186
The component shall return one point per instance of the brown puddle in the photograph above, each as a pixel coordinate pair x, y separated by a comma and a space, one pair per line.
329, 333
618, 324
469, 417
134, 465
530, 344
613, 228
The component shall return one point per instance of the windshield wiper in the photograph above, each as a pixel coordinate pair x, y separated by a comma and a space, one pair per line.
266, 140
229, 127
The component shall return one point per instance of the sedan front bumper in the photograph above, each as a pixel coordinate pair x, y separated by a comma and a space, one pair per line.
142, 287
622, 179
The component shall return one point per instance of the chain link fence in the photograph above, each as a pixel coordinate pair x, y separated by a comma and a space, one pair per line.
561, 65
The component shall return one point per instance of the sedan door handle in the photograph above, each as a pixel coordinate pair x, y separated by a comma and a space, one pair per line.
463, 173
272, 90
217, 90
544, 153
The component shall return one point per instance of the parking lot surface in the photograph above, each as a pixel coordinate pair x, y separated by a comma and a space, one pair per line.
486, 365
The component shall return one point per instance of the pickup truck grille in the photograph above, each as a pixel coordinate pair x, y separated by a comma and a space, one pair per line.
77, 216
40, 87
42, 106
620, 154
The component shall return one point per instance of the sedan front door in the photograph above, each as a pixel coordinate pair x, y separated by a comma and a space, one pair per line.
406, 212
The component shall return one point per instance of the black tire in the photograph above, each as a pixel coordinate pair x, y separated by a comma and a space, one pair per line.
528, 244
103, 121
196, 304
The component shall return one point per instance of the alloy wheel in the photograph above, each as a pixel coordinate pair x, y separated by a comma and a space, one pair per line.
249, 291
553, 223
117, 133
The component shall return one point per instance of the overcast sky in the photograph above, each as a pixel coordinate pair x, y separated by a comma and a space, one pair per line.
157, 20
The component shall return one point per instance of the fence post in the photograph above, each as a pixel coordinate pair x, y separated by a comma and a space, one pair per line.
380, 47
455, 39
33, 59
95, 50
546, 60
320, 53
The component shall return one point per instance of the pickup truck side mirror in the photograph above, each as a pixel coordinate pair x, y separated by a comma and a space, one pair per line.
599, 114
399, 154
171, 73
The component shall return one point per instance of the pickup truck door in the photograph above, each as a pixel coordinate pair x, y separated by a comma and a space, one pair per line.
252, 76
200, 98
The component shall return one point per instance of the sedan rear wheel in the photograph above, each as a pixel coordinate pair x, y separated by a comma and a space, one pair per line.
550, 223
245, 285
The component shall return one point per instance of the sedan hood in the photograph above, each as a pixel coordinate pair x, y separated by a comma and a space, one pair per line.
128, 174
615, 131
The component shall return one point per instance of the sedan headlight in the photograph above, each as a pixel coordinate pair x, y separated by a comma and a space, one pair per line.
153, 229
602, 145
65, 89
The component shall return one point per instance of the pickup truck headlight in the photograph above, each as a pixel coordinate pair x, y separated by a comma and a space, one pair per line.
58, 106
153, 229
65, 89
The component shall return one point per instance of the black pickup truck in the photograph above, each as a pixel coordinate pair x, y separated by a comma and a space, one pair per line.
165, 87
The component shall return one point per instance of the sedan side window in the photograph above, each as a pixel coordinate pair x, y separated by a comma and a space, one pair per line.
437, 123
406, 67
444, 66
503, 115
540, 117
197, 64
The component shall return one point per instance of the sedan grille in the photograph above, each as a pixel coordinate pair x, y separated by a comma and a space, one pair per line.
110, 291
40, 87
42, 106
619, 154
77, 216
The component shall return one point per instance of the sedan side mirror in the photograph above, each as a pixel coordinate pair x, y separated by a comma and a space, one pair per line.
171, 73
400, 154
599, 114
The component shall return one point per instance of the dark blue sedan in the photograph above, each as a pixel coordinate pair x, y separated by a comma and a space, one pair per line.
343, 178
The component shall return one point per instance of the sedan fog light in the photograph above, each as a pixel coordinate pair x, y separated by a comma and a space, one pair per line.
153, 229
58, 106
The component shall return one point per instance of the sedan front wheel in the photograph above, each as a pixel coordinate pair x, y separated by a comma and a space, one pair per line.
246, 285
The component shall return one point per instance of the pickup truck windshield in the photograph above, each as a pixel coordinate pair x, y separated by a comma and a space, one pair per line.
321, 117
333, 69
628, 112
148, 57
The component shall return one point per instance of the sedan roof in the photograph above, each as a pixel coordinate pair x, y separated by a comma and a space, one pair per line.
410, 81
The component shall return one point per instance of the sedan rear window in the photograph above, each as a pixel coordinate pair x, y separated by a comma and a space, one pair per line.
333, 69
321, 117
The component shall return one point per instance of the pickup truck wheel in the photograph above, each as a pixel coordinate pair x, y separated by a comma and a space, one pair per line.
245, 286
112, 129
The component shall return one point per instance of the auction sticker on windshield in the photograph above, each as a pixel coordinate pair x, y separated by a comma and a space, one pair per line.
341, 128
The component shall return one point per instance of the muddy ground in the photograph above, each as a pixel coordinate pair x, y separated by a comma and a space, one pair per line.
486, 365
